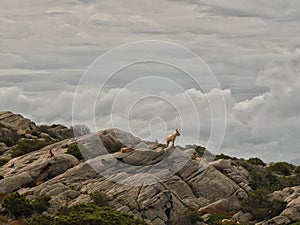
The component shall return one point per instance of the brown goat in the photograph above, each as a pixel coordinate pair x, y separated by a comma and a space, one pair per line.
172, 137
126, 149
50, 155
230, 221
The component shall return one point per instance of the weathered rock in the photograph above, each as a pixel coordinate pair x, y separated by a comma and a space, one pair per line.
236, 173
278, 220
49, 168
221, 206
292, 196
16, 121
242, 217
195, 203
13, 183
212, 185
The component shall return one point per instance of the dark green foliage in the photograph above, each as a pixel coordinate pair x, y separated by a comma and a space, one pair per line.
161, 145
191, 216
223, 156
74, 150
40, 204
35, 133
100, 198
282, 168
264, 180
28, 145
3, 161
216, 218
256, 161
88, 214
297, 170
16, 205
261, 205
9, 142
200, 150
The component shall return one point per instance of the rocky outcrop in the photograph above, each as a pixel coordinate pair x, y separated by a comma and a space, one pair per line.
155, 184
16, 121
291, 195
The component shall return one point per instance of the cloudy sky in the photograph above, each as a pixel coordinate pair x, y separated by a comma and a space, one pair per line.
252, 48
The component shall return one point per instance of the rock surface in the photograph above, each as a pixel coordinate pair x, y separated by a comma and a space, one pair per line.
154, 183
68, 181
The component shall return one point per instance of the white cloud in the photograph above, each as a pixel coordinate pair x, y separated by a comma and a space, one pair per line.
252, 46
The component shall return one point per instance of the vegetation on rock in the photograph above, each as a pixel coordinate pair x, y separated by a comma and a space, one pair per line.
262, 206
86, 214
74, 150
99, 198
29, 145
3, 161
18, 206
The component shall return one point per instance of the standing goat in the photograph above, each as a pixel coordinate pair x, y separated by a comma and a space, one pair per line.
172, 137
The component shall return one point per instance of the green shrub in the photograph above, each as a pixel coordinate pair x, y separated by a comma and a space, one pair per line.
191, 216
282, 167
223, 156
9, 142
200, 150
297, 169
261, 205
216, 218
16, 205
40, 204
35, 133
86, 214
74, 150
3, 161
100, 198
161, 145
256, 161
28, 145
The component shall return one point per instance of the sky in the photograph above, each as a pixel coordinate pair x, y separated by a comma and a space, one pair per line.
252, 48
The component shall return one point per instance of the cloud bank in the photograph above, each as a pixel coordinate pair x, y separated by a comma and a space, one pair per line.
252, 47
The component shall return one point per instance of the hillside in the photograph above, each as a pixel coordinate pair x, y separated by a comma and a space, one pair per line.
195, 191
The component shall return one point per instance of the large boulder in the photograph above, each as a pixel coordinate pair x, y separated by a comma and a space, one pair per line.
278, 220
13, 183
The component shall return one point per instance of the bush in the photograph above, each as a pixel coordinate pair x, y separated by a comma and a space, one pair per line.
3, 161
81, 129
16, 205
40, 204
35, 133
256, 161
191, 216
9, 142
86, 214
100, 198
28, 145
223, 156
261, 205
297, 170
74, 150
282, 167
216, 218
